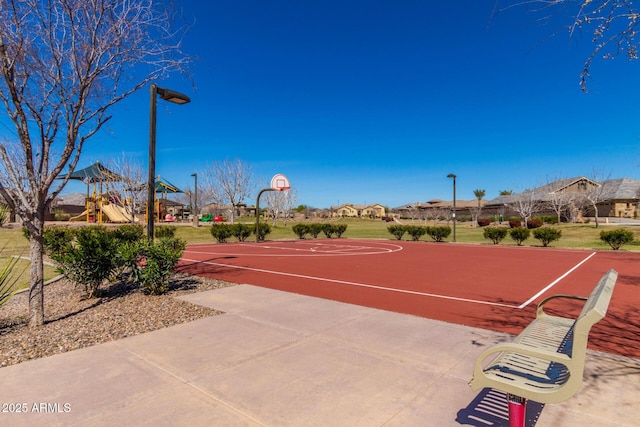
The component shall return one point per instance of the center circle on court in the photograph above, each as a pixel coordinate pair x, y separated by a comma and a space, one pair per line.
298, 248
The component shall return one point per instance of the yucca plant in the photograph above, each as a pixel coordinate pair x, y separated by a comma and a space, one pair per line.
8, 278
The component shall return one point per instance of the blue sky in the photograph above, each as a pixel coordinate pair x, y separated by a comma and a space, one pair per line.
377, 101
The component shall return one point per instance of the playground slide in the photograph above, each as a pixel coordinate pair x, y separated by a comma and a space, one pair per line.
81, 217
115, 213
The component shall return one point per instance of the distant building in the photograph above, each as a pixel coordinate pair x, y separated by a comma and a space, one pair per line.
349, 210
436, 208
615, 197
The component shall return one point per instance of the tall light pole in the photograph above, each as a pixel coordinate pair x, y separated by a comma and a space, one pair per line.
195, 200
454, 204
176, 98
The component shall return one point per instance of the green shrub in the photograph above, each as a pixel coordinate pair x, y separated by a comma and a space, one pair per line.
416, 231
57, 239
616, 238
519, 234
130, 233
547, 219
60, 215
547, 235
301, 230
397, 230
315, 229
90, 260
241, 231
221, 232
155, 263
328, 230
496, 234
439, 233
165, 232
263, 231
339, 229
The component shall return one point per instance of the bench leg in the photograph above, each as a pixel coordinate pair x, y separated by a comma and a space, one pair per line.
517, 406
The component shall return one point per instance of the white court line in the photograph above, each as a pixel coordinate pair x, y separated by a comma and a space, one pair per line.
552, 284
362, 285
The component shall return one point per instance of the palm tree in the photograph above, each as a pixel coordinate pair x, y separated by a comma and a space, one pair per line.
479, 195
475, 212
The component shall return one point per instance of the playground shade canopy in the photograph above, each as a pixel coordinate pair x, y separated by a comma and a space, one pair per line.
161, 186
95, 173
166, 187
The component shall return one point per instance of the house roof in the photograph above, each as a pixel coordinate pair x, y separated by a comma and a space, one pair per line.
437, 203
621, 188
351, 205
612, 189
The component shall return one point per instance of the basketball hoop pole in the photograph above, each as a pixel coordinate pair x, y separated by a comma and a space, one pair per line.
278, 183
258, 211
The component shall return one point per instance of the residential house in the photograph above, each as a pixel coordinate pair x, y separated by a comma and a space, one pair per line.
358, 211
614, 197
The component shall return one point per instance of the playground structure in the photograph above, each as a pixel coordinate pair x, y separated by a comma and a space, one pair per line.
108, 207
105, 209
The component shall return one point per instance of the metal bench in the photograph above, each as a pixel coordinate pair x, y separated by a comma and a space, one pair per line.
545, 362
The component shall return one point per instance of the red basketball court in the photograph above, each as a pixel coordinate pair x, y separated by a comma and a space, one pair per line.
487, 286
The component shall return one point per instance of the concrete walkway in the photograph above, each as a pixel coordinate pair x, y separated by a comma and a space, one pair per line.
281, 359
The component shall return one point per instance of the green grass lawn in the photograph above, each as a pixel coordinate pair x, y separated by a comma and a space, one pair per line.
13, 243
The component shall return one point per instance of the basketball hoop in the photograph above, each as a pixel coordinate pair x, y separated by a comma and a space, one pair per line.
280, 183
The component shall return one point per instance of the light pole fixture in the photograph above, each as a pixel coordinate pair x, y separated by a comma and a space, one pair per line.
454, 204
176, 98
195, 200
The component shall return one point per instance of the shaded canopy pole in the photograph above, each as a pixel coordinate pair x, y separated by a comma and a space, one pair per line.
454, 204
176, 98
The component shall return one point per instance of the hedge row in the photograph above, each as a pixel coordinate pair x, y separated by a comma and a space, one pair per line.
314, 229
546, 235
222, 232
437, 233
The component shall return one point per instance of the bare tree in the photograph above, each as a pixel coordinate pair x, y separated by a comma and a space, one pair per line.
526, 204
228, 182
274, 201
611, 24
414, 211
280, 204
290, 200
558, 200
132, 187
63, 65
596, 193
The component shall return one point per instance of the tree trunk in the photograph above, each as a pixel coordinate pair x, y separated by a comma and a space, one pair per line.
36, 288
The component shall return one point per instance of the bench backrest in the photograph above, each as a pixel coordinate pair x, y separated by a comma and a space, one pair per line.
594, 309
